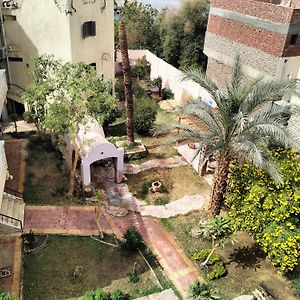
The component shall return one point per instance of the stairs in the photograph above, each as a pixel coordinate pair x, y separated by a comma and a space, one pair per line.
12, 211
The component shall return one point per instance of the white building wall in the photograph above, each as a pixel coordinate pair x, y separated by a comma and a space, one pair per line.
171, 78
43, 27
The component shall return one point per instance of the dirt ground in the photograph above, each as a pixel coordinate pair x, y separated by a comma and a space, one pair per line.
245, 262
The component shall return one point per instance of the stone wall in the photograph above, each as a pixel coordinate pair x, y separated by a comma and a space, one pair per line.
225, 50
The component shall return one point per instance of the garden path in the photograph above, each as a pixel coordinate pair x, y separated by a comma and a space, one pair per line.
164, 295
171, 162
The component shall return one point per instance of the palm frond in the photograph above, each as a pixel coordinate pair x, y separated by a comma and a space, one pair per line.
237, 75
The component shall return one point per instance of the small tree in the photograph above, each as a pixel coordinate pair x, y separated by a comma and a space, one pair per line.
202, 291
218, 230
61, 98
157, 82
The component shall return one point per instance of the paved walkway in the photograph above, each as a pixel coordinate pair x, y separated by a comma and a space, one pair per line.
11, 256
73, 220
175, 208
177, 266
170, 162
164, 295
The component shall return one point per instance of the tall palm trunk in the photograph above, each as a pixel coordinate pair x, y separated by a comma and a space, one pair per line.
127, 83
220, 184
73, 164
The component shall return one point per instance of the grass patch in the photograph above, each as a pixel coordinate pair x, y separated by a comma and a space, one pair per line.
49, 273
45, 178
176, 183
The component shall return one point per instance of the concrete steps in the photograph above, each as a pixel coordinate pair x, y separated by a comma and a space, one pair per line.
12, 207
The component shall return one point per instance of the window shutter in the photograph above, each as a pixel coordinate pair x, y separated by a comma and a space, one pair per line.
84, 30
93, 28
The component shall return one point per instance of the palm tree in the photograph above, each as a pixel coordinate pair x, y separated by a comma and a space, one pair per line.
239, 129
127, 83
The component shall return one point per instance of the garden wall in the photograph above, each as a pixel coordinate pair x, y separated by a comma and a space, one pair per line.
171, 77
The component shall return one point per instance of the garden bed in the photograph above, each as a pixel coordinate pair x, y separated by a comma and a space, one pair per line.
49, 273
245, 262
176, 183
45, 178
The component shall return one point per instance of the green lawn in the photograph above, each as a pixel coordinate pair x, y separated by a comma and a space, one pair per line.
177, 183
48, 274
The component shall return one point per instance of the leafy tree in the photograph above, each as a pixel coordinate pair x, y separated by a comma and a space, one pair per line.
145, 110
244, 122
218, 230
127, 83
270, 212
61, 98
182, 33
157, 82
142, 29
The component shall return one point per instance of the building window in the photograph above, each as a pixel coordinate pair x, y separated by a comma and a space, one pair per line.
18, 59
293, 40
89, 29
94, 65
9, 18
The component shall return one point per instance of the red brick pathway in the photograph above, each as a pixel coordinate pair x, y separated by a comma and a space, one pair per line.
73, 220
178, 267
10, 256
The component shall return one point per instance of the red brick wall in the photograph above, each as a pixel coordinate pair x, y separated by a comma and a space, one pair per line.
270, 42
258, 9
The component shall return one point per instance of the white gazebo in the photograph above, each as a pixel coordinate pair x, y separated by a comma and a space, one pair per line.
93, 146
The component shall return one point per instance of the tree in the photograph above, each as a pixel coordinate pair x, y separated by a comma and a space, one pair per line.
182, 33
73, 92
240, 127
127, 83
218, 230
270, 212
142, 28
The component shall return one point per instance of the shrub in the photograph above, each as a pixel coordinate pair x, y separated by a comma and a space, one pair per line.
167, 94
145, 111
141, 69
144, 191
5, 296
217, 268
269, 211
27, 116
203, 254
99, 294
133, 239
133, 276
203, 291
139, 91
119, 295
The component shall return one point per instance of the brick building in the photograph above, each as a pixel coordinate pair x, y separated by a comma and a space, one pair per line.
264, 33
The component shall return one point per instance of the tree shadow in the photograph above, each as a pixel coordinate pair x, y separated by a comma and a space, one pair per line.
247, 257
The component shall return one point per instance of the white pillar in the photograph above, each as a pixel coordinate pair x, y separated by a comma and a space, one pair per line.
85, 173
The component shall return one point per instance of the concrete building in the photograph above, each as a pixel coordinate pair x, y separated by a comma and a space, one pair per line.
264, 32
71, 30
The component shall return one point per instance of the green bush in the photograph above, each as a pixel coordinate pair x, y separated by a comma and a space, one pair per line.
119, 295
139, 91
203, 254
27, 116
5, 296
141, 69
133, 239
202, 291
167, 94
133, 276
145, 111
217, 268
